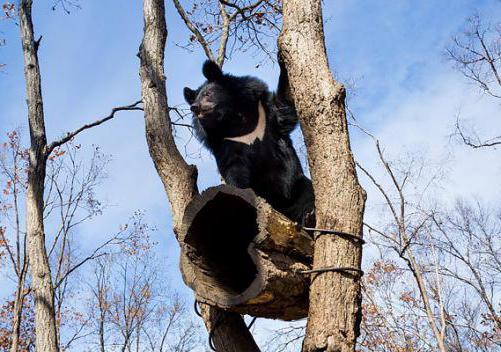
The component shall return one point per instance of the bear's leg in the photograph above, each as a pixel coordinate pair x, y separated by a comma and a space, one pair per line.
302, 208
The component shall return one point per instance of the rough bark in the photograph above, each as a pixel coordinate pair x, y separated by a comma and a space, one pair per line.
335, 299
43, 290
230, 332
18, 312
251, 260
179, 178
20, 263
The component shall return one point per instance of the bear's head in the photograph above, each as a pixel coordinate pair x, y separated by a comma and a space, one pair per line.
212, 102
224, 100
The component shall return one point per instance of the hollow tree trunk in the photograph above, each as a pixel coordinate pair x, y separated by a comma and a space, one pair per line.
43, 290
250, 261
179, 179
335, 299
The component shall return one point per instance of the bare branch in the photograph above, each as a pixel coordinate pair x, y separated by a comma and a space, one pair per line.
477, 143
225, 32
70, 135
476, 54
200, 38
242, 10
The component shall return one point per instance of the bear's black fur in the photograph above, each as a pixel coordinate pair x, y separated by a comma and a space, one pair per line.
226, 107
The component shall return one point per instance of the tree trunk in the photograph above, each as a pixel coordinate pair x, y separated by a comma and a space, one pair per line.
335, 298
179, 178
43, 290
250, 261
102, 345
230, 332
18, 313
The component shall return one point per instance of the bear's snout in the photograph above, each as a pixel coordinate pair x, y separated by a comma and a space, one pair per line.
195, 109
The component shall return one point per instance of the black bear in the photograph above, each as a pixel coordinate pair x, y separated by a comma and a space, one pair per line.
247, 128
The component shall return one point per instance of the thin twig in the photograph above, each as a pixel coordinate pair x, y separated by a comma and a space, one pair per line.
200, 38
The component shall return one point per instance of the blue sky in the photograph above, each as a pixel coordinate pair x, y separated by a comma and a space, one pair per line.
405, 92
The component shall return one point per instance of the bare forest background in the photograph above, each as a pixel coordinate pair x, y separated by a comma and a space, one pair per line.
432, 222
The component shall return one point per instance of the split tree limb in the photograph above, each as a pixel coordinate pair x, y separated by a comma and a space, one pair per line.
251, 261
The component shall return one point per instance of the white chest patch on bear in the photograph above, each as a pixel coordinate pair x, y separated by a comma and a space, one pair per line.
257, 133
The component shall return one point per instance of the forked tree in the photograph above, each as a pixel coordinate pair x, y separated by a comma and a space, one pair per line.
335, 298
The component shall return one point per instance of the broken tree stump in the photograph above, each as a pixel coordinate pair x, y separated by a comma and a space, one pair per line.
239, 254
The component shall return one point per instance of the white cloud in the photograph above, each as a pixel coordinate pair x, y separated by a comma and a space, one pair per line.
423, 121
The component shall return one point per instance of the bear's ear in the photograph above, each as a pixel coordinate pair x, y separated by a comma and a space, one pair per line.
189, 95
212, 71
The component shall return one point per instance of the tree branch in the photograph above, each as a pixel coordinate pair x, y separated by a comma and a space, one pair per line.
492, 142
194, 30
70, 135
242, 10
95, 254
221, 55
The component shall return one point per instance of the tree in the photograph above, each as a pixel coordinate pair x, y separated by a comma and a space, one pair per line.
467, 236
8, 12
344, 214
476, 54
249, 24
407, 227
131, 308
13, 162
427, 253
70, 201
25, 334
178, 178
39, 151
43, 290
433, 276
335, 297
431, 286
